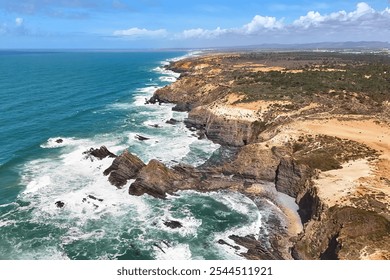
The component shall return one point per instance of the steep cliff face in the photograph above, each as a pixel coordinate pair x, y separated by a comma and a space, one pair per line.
295, 180
292, 178
224, 130
345, 233
289, 132
255, 161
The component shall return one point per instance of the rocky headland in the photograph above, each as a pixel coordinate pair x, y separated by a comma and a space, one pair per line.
310, 125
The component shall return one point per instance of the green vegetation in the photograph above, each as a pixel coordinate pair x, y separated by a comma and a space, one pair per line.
323, 74
326, 152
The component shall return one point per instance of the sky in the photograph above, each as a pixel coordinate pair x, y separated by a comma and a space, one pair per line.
128, 24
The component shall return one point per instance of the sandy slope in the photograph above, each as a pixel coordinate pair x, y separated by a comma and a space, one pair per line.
356, 178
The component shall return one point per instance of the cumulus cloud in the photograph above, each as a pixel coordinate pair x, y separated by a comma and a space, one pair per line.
364, 23
140, 32
364, 14
260, 23
257, 25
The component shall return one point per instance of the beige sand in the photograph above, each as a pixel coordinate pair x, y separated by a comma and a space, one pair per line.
357, 177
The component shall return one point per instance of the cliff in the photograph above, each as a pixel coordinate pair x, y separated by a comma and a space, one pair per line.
310, 125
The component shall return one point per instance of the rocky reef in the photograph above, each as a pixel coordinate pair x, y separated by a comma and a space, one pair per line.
298, 127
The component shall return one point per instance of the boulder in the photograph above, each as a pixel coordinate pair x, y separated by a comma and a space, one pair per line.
124, 167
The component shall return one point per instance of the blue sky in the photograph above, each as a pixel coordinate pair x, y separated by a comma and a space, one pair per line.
169, 24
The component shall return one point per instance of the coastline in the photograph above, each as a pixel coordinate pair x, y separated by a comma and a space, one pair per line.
159, 180
288, 216
285, 208
287, 155
218, 112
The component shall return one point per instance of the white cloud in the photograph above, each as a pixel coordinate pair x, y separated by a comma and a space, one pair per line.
363, 23
140, 32
361, 10
364, 14
203, 33
19, 21
312, 18
360, 24
259, 23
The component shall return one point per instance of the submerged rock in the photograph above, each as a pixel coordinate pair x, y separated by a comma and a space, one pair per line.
155, 125
124, 167
141, 138
173, 224
60, 204
95, 198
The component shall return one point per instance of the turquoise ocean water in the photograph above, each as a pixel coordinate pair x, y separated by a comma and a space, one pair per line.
90, 99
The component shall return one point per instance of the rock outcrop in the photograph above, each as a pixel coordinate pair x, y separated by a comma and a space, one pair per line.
256, 250
292, 178
226, 131
124, 167
256, 162
156, 180
345, 233
100, 153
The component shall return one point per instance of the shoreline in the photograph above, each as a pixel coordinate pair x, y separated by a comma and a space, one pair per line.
223, 115
288, 212
288, 208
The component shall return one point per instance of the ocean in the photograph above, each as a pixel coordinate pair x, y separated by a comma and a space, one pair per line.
90, 99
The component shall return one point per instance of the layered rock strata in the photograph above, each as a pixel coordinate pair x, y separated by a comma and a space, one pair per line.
124, 167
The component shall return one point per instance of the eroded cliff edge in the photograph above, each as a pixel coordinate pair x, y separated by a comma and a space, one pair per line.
314, 124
